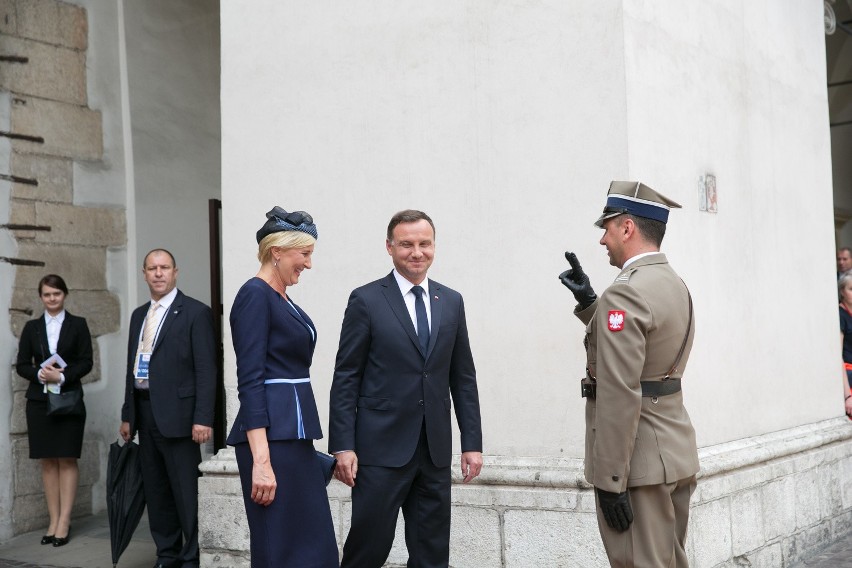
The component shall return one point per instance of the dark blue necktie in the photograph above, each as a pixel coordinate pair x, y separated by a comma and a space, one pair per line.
422, 321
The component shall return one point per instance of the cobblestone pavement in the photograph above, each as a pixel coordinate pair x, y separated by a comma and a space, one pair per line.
89, 547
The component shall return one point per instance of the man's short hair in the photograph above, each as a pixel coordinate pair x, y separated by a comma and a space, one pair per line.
152, 251
408, 216
845, 249
653, 231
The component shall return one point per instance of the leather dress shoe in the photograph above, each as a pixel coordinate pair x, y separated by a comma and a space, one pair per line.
47, 539
57, 541
167, 564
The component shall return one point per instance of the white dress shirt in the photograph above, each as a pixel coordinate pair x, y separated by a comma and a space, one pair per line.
408, 296
165, 303
54, 326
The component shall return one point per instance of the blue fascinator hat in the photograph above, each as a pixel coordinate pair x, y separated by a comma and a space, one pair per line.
278, 219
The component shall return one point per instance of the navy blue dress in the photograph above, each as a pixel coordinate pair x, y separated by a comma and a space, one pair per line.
274, 342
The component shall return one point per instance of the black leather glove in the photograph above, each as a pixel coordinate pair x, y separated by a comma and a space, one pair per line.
578, 282
616, 509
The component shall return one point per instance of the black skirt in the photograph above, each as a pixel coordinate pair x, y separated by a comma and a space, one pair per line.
53, 436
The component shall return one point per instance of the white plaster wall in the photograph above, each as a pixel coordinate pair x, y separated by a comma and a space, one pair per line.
173, 75
103, 183
738, 90
188, 36
505, 122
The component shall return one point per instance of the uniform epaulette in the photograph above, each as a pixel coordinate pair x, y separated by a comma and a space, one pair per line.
625, 277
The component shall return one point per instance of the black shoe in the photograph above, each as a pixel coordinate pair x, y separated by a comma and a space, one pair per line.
47, 539
167, 564
57, 541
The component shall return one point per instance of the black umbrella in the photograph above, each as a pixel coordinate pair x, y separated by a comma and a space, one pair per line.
125, 499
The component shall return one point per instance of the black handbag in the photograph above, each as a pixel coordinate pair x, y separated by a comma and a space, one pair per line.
327, 464
68, 403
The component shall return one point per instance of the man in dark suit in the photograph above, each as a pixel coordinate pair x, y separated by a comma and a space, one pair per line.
169, 398
399, 361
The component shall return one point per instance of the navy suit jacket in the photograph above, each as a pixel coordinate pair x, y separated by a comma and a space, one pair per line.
385, 387
182, 371
74, 346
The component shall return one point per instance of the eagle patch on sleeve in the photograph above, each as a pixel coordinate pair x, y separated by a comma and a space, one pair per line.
615, 320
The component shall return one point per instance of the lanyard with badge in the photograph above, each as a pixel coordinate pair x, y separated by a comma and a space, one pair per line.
143, 356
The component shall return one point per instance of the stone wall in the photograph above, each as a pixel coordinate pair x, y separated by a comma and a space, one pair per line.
50, 126
764, 502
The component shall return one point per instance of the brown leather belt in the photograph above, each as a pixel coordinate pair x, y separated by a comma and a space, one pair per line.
588, 387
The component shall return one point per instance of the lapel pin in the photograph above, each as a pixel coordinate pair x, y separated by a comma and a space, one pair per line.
436, 297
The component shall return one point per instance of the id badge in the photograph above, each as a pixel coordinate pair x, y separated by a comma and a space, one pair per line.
143, 361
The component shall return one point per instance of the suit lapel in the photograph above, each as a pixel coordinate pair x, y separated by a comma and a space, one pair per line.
392, 294
294, 313
174, 311
436, 302
63, 333
42, 339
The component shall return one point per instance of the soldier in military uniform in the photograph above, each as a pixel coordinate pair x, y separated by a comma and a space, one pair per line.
641, 454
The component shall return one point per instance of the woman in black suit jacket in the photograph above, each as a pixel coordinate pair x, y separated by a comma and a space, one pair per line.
56, 440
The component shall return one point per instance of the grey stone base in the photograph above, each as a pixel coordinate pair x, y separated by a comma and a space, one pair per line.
767, 501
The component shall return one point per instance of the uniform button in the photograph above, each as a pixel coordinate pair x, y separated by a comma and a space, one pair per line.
615, 478
419, 403
425, 375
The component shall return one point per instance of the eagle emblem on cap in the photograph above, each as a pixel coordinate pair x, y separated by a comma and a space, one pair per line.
615, 320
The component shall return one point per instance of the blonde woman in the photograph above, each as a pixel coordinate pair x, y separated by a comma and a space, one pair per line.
274, 339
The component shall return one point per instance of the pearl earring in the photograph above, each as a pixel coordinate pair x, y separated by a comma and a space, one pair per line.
276, 264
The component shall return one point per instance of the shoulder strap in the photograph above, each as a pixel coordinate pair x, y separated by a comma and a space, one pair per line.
685, 337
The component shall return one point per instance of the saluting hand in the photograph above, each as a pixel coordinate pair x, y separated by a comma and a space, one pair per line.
578, 282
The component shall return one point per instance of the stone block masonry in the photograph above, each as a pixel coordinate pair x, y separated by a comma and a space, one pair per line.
768, 501
49, 72
47, 124
68, 130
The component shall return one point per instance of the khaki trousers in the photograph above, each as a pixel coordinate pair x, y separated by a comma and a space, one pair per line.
657, 536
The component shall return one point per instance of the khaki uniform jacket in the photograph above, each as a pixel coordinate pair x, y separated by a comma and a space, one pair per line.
631, 440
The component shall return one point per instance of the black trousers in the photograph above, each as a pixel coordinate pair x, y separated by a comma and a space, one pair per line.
170, 477
422, 491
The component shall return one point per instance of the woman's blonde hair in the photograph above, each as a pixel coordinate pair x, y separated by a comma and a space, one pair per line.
284, 240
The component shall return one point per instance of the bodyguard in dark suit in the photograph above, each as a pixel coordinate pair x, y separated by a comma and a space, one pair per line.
404, 355
169, 398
